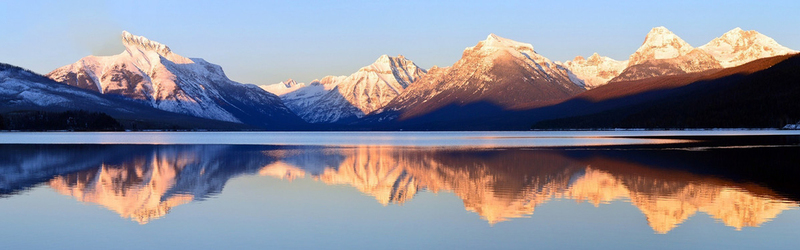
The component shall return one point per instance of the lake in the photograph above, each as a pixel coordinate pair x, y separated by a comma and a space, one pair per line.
703, 189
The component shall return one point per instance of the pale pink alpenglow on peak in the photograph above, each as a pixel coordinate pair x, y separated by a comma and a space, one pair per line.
737, 47
337, 98
734, 48
152, 73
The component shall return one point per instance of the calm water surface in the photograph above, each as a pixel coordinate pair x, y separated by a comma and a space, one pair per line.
460, 190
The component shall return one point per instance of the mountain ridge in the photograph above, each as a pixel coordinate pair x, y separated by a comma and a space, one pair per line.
346, 98
22, 90
497, 70
150, 73
664, 53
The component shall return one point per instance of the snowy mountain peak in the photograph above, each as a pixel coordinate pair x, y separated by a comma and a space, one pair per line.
289, 83
387, 64
660, 30
384, 59
332, 80
149, 72
494, 42
495, 49
660, 43
283, 87
738, 35
737, 47
142, 43
659, 35
595, 70
340, 98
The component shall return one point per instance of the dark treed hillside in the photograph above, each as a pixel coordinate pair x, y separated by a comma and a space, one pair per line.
69, 120
758, 99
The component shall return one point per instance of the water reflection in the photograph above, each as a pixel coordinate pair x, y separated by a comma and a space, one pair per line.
143, 182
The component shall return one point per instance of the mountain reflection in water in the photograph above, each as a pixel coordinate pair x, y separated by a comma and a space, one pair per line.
143, 182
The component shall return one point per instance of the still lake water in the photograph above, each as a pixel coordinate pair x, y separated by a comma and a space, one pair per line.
406, 190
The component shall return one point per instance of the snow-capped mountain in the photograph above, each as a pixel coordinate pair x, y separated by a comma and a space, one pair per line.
339, 98
375, 85
23, 89
315, 104
660, 43
737, 47
595, 70
664, 53
497, 71
284, 87
151, 73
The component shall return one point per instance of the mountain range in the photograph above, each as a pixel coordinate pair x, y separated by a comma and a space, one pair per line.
497, 84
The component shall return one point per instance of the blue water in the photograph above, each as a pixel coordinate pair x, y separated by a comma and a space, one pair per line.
514, 139
464, 190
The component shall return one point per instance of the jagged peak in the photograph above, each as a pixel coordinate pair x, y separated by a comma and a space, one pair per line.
385, 63
142, 43
594, 59
284, 87
289, 83
386, 58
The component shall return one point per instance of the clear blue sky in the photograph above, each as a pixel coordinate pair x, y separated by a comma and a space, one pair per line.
264, 42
